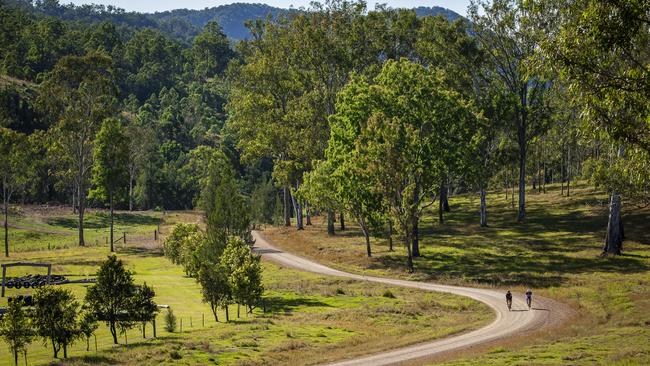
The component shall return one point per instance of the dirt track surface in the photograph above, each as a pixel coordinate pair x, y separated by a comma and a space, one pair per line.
544, 313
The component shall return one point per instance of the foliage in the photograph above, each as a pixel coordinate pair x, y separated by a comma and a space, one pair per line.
170, 321
215, 287
173, 245
55, 317
244, 273
111, 297
16, 329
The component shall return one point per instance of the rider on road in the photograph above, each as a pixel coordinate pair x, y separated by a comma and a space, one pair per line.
509, 299
529, 298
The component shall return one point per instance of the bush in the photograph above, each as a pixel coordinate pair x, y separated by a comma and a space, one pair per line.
340, 291
388, 294
170, 321
173, 245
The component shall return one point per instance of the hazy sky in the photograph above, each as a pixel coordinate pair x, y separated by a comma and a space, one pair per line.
459, 6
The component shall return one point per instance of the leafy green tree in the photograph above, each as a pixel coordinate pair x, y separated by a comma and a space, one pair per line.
111, 156
16, 329
87, 325
600, 49
244, 273
215, 287
415, 126
55, 317
170, 321
14, 171
210, 52
143, 307
78, 95
226, 209
509, 43
173, 245
111, 297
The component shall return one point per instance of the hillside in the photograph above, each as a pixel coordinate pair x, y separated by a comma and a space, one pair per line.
179, 23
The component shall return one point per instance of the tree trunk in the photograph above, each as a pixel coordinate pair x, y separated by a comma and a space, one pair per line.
6, 225
390, 235
407, 244
214, 309
298, 210
614, 236
144, 330
82, 209
512, 194
444, 196
56, 351
366, 235
287, 213
416, 238
521, 214
342, 221
227, 314
441, 204
65, 350
16, 357
113, 332
110, 199
238, 314
483, 208
130, 192
308, 214
568, 171
330, 222
562, 173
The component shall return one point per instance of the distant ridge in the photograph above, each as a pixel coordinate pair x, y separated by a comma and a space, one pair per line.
180, 23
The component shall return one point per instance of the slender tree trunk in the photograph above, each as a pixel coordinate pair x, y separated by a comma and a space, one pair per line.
110, 198
308, 214
113, 332
366, 235
6, 225
562, 172
238, 314
56, 351
521, 214
65, 350
512, 194
130, 192
390, 235
483, 208
407, 244
214, 309
227, 315
568, 171
144, 330
298, 210
614, 236
330, 222
16, 357
416, 237
287, 213
82, 209
342, 221
444, 196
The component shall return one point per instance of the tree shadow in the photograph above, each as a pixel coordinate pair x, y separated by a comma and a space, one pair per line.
101, 220
277, 304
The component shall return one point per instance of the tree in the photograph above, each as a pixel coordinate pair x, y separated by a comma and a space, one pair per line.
143, 307
600, 49
78, 95
227, 211
509, 43
110, 298
244, 273
55, 317
210, 51
16, 329
215, 287
173, 245
111, 156
87, 325
14, 171
415, 126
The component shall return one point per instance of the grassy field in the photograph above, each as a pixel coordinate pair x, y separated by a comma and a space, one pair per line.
309, 318
556, 252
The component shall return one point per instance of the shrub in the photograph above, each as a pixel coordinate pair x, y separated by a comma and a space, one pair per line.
388, 294
170, 321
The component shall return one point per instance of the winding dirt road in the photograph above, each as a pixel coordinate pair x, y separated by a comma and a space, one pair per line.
506, 324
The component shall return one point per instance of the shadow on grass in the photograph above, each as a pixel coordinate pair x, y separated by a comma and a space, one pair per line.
102, 220
88, 360
141, 252
277, 304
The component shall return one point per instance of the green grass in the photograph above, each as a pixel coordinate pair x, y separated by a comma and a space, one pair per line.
556, 252
309, 318
34, 228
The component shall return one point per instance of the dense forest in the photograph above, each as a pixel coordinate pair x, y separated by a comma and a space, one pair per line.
337, 109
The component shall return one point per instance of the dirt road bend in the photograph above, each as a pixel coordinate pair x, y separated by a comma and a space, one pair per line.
506, 323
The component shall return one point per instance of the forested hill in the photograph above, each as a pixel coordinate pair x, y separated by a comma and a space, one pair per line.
182, 24
232, 17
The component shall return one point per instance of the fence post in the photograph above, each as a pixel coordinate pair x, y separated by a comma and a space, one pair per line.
154, 327
155, 235
124, 237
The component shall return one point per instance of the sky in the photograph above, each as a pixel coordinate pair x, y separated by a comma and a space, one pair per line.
149, 6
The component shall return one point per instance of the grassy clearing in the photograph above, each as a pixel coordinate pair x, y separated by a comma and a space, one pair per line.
309, 318
556, 252
38, 228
